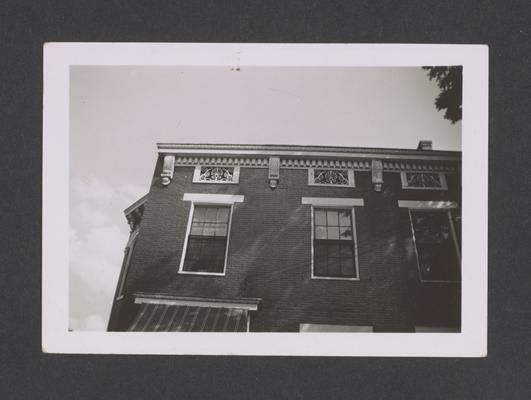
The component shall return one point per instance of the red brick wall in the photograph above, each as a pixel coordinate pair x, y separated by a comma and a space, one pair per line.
269, 252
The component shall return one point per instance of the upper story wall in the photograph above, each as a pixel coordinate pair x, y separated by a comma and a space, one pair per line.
269, 253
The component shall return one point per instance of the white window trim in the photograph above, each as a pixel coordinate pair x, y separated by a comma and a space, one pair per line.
431, 206
442, 177
206, 199
209, 198
420, 204
311, 177
303, 328
235, 176
334, 202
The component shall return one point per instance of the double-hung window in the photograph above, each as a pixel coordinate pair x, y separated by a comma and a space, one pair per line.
436, 232
436, 245
333, 243
207, 242
334, 248
207, 239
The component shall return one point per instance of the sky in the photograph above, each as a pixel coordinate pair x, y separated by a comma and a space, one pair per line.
119, 113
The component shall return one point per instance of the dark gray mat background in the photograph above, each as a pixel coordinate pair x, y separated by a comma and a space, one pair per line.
26, 373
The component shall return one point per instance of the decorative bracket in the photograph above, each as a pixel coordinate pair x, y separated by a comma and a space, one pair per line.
377, 175
168, 167
274, 172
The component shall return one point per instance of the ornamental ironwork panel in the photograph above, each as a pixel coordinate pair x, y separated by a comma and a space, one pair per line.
216, 174
330, 177
424, 180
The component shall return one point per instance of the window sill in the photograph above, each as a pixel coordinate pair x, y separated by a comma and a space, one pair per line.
331, 185
437, 281
333, 278
423, 188
201, 273
216, 183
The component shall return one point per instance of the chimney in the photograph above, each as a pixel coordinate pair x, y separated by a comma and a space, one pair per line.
424, 145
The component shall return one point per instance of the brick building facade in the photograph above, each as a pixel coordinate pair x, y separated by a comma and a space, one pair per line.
267, 238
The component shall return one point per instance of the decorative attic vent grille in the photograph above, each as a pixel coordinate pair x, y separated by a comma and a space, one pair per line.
423, 180
213, 174
331, 177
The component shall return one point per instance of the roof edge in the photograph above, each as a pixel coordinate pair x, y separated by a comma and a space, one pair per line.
136, 204
301, 150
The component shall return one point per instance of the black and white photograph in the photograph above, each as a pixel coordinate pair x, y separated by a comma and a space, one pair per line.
265, 199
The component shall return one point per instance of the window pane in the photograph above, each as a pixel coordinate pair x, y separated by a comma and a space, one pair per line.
221, 229
320, 232
209, 229
223, 215
333, 250
344, 218
346, 250
194, 248
190, 265
333, 232
319, 268
199, 214
431, 227
332, 218
320, 217
207, 252
197, 228
219, 249
216, 266
347, 267
345, 233
319, 250
211, 214
334, 266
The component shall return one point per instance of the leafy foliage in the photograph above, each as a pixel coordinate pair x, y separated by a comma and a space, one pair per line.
450, 81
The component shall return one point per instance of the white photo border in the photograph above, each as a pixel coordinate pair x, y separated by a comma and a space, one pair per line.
58, 57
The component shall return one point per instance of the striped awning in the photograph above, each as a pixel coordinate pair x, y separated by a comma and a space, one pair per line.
189, 318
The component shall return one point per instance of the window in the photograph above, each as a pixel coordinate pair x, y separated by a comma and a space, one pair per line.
213, 174
334, 246
436, 244
331, 177
207, 240
423, 180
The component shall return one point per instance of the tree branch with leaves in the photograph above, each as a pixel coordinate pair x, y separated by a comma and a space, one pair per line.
450, 82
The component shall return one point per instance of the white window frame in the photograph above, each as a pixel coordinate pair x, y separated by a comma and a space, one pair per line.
207, 199
432, 206
235, 176
311, 177
442, 177
334, 203
306, 328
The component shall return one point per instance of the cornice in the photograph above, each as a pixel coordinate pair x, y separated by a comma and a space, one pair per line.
304, 152
305, 163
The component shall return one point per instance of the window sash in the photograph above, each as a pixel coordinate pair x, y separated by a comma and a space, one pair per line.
205, 254
207, 239
437, 250
334, 253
